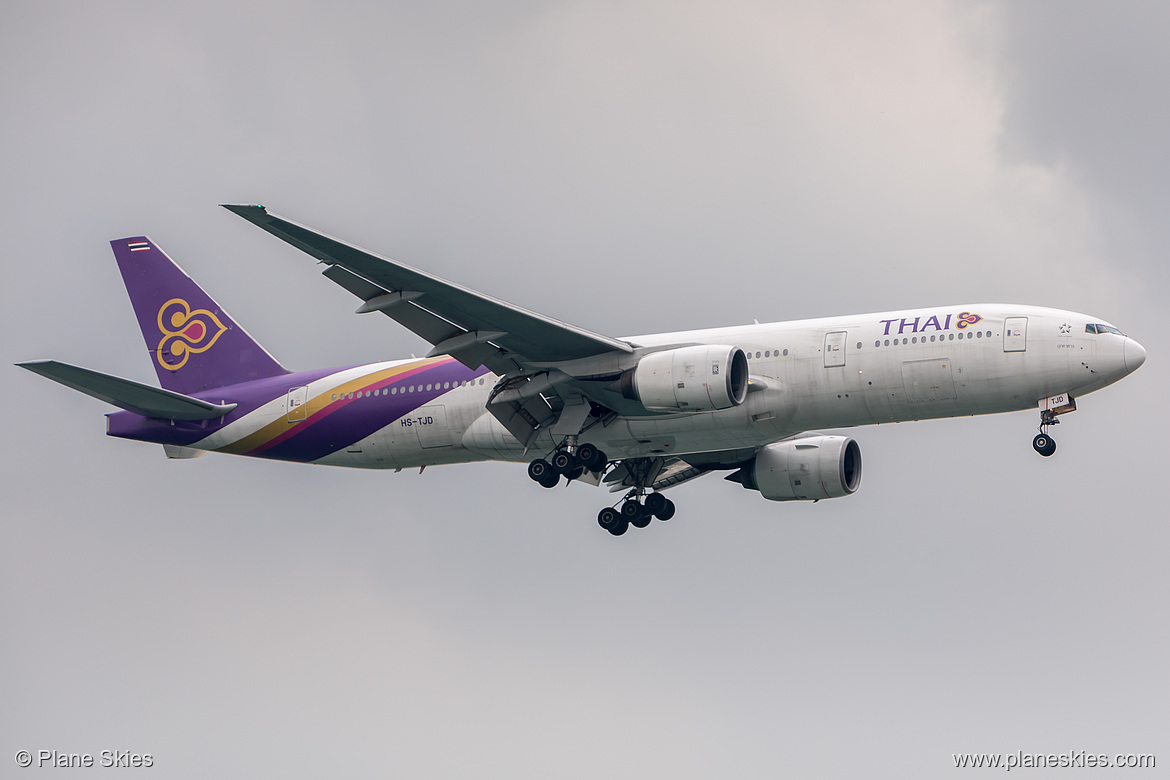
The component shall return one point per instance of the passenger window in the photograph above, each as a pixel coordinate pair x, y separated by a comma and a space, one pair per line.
859, 345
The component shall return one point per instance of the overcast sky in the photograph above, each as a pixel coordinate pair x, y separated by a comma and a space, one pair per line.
628, 167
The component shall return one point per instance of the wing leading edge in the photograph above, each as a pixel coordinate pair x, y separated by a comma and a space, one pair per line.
470, 326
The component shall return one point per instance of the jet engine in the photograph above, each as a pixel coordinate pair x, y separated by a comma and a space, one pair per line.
805, 469
688, 379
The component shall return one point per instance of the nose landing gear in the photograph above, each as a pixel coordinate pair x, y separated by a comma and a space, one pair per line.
1050, 408
1044, 444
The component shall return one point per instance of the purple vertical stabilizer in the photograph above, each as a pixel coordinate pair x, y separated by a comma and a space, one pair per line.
193, 343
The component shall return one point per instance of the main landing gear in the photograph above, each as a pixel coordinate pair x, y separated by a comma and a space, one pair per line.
635, 512
568, 464
637, 508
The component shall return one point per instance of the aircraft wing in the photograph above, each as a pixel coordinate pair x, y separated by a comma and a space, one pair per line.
470, 326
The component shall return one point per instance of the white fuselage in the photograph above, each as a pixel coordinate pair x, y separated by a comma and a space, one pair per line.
811, 374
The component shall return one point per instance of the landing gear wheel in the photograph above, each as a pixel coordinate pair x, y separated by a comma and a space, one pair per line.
1044, 444
539, 469
564, 462
655, 503
667, 511
611, 520
644, 520
632, 511
574, 473
590, 457
551, 479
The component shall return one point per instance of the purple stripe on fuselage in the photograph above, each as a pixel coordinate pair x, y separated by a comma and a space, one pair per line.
249, 396
336, 406
353, 420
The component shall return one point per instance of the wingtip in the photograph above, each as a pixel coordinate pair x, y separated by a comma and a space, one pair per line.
245, 209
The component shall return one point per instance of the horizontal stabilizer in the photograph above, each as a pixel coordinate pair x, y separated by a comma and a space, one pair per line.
132, 396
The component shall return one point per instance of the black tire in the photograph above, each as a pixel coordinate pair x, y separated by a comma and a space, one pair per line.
551, 479
563, 462
591, 457
571, 475
643, 521
619, 528
655, 503
538, 470
632, 510
608, 517
1044, 444
667, 511
587, 455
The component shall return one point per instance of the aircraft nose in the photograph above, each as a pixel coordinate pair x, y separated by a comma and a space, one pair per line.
1135, 355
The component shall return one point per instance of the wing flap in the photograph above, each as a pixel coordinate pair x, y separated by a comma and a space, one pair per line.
673, 471
125, 394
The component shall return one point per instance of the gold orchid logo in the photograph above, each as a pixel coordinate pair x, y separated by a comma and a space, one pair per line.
185, 332
967, 319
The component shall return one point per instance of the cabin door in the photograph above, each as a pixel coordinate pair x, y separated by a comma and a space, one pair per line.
298, 404
835, 348
1015, 334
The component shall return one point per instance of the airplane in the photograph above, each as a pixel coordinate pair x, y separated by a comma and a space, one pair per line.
640, 414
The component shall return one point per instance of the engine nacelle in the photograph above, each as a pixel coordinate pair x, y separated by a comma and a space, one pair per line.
805, 469
688, 379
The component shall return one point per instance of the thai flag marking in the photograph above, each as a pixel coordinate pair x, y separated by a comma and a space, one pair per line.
138, 246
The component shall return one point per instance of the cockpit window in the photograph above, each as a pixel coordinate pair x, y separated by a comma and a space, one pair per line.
1101, 328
